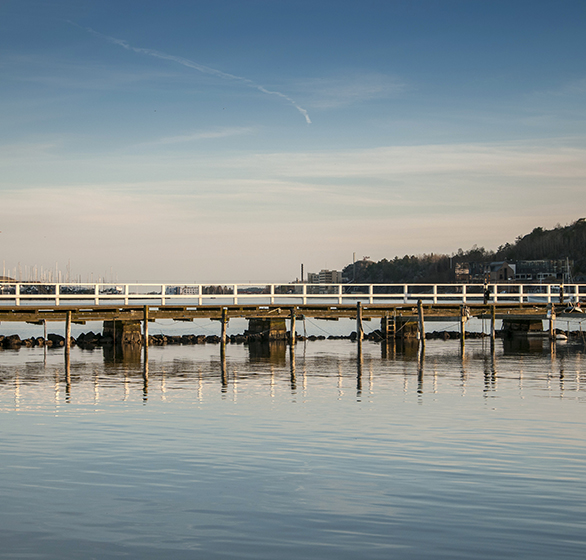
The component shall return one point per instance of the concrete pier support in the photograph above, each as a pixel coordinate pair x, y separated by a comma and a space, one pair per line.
522, 327
269, 329
406, 328
123, 332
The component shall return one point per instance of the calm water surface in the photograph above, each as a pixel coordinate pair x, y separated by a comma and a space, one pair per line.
394, 455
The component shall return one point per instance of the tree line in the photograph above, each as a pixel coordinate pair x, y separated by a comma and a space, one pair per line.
558, 243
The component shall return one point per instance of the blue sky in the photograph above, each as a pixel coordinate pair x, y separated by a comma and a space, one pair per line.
200, 141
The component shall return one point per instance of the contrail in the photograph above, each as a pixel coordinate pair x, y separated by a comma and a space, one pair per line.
199, 67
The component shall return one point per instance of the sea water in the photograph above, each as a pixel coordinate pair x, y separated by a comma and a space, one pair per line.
332, 451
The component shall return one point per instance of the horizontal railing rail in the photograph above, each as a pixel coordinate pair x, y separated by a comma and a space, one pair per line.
33, 293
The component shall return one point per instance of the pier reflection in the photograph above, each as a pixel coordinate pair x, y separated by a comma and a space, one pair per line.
482, 368
122, 354
274, 352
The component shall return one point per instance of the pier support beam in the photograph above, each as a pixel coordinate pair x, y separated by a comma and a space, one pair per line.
522, 327
268, 329
359, 330
123, 332
406, 328
224, 325
551, 313
68, 332
293, 337
420, 323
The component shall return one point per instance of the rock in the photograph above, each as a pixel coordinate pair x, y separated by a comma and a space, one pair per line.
12, 341
56, 339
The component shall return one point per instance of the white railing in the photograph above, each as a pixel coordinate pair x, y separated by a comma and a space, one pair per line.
29, 293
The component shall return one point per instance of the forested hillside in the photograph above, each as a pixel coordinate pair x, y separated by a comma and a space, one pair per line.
555, 244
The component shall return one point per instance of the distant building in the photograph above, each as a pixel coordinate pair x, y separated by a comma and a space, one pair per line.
324, 277
544, 270
502, 271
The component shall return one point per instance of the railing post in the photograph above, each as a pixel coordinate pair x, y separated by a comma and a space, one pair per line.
272, 292
17, 294
495, 293
464, 293
57, 288
304, 294
96, 294
370, 294
405, 293
435, 293
126, 291
200, 294
235, 289
520, 293
549, 293
340, 292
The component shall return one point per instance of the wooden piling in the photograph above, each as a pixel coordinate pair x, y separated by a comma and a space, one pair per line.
293, 333
224, 324
420, 323
67, 332
551, 321
359, 330
492, 323
463, 319
145, 326
145, 334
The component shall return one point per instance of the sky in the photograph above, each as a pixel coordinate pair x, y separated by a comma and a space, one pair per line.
232, 141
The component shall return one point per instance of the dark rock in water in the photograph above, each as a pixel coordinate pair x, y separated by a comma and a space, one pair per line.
213, 339
12, 341
56, 339
40, 341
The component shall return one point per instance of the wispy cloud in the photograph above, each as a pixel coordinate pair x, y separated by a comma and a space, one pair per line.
341, 91
198, 136
199, 67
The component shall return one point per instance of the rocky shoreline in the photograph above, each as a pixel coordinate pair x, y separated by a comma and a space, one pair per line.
92, 340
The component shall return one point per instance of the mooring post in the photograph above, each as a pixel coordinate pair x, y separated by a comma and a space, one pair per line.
293, 333
45, 341
462, 326
551, 321
67, 332
420, 323
492, 323
224, 324
359, 331
145, 326
145, 334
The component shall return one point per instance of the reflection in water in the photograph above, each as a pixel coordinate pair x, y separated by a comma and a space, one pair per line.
265, 361
359, 369
274, 352
223, 368
122, 353
292, 364
420, 365
278, 476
